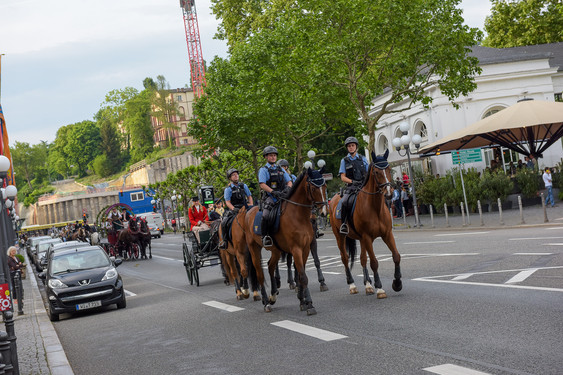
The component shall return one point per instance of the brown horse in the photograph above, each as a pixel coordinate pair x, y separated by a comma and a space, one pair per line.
144, 238
128, 240
237, 252
371, 219
294, 236
79, 235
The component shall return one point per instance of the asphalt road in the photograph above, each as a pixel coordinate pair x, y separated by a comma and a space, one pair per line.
487, 301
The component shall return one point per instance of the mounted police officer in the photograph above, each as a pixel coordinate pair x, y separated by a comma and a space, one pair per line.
273, 180
353, 170
237, 195
285, 165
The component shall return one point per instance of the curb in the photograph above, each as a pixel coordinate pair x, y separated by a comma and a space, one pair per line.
56, 357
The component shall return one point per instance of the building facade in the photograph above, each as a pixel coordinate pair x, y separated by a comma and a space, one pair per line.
508, 75
184, 99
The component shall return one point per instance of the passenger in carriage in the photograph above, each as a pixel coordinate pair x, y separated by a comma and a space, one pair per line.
198, 217
353, 169
273, 180
237, 195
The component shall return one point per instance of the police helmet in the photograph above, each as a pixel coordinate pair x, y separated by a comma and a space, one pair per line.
351, 140
270, 150
283, 163
230, 172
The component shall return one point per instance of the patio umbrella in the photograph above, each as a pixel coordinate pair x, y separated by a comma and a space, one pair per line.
528, 127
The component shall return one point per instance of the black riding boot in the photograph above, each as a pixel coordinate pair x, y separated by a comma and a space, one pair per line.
225, 234
266, 239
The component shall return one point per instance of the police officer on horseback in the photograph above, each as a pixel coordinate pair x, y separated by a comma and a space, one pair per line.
353, 170
285, 165
237, 195
273, 180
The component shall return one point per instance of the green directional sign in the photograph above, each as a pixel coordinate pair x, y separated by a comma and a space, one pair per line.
467, 156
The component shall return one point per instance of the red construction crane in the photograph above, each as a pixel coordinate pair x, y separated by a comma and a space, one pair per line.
197, 67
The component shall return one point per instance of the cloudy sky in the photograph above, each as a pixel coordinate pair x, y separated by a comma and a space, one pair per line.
61, 57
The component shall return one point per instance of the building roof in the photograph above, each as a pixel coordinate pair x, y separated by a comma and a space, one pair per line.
552, 51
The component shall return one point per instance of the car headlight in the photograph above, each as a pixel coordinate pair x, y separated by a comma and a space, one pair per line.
56, 283
110, 274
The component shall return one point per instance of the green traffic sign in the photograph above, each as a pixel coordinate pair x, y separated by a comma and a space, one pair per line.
467, 156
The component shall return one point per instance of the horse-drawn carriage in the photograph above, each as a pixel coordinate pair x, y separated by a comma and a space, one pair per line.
202, 253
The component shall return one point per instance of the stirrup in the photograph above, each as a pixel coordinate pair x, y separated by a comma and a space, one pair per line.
344, 229
319, 234
267, 241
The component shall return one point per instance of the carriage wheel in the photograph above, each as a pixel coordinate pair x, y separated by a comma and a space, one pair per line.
135, 249
195, 272
187, 263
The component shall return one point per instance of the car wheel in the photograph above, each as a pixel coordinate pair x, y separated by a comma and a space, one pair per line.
123, 303
52, 316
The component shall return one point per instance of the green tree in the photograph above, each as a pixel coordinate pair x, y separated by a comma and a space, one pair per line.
514, 23
137, 123
82, 145
164, 108
28, 160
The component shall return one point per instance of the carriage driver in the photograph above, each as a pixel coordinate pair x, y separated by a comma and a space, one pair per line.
353, 170
237, 195
114, 218
273, 180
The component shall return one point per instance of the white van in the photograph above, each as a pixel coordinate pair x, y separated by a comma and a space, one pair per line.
155, 222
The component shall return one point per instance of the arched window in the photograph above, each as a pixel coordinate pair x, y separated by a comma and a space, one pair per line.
492, 111
420, 129
382, 144
182, 113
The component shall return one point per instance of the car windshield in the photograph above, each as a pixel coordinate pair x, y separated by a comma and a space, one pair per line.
44, 246
77, 261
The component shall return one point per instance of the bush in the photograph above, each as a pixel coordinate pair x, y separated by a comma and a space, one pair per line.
529, 182
495, 185
434, 191
20, 258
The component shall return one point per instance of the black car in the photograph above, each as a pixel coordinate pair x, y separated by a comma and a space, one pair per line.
56, 247
40, 249
82, 279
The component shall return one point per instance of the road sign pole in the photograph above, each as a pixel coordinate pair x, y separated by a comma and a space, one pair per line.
464, 195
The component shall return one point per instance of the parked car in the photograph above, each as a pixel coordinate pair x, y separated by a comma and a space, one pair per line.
155, 223
55, 247
31, 242
40, 250
82, 279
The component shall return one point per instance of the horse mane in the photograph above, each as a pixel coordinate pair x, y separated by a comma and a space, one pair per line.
295, 184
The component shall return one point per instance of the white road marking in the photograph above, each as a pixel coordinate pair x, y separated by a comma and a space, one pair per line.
553, 244
449, 369
222, 306
554, 228
533, 253
534, 238
427, 242
521, 276
332, 273
463, 277
166, 258
320, 334
459, 234
128, 293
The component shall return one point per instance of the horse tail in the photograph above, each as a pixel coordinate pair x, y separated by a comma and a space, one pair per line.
351, 249
252, 275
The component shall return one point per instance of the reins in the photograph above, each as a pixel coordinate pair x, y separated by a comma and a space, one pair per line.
380, 187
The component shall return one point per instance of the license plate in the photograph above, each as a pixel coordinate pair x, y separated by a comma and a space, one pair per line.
88, 305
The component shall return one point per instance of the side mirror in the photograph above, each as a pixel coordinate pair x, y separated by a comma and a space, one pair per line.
42, 275
117, 262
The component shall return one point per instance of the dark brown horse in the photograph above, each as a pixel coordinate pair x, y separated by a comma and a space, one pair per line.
237, 252
293, 237
128, 241
79, 235
371, 219
144, 237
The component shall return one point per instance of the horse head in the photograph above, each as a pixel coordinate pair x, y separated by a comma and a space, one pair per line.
382, 173
317, 188
133, 227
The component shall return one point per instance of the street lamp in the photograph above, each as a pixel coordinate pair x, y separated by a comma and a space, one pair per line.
173, 199
404, 142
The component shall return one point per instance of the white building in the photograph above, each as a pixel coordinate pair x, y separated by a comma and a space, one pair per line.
508, 75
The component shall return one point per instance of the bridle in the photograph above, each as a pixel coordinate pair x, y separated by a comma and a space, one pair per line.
381, 165
318, 182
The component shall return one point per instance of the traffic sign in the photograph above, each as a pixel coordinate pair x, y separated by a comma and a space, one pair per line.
472, 155
207, 194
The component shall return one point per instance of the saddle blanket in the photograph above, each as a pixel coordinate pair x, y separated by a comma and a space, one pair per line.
338, 212
257, 225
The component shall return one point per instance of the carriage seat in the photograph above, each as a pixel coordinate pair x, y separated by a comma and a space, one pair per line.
204, 237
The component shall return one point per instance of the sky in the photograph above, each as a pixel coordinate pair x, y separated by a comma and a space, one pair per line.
61, 57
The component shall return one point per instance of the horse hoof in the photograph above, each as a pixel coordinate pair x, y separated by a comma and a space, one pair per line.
324, 288
272, 300
240, 297
302, 307
370, 291
268, 308
257, 298
291, 286
353, 290
381, 294
311, 311
397, 285
150, 256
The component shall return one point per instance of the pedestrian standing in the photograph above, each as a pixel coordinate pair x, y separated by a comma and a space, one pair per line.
549, 186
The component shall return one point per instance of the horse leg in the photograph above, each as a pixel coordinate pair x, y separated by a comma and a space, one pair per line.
242, 274
342, 245
277, 277
389, 240
256, 256
374, 265
305, 300
317, 262
272, 267
290, 279
366, 249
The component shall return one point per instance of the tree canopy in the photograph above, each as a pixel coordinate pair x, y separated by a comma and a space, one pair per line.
514, 23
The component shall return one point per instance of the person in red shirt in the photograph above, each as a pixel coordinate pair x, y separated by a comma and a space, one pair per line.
198, 217
406, 180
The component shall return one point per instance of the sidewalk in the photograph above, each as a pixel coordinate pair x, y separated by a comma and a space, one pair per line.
532, 216
39, 349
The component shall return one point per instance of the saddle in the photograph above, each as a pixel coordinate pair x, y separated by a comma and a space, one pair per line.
347, 204
273, 220
227, 225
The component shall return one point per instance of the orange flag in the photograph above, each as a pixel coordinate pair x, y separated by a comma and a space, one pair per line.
5, 148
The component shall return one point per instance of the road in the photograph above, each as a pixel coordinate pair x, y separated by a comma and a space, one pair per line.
476, 302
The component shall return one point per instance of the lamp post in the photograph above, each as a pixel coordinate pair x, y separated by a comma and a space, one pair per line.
7, 237
173, 199
405, 141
